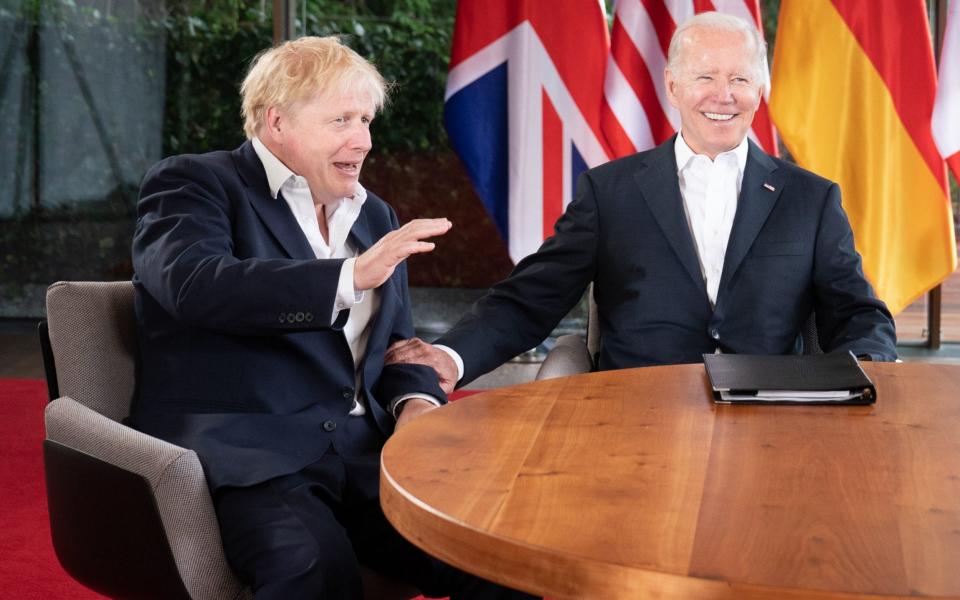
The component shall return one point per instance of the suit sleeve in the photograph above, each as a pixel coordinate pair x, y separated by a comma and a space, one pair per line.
402, 379
519, 312
849, 315
184, 255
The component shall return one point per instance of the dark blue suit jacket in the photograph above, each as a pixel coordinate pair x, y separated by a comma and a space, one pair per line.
790, 252
237, 356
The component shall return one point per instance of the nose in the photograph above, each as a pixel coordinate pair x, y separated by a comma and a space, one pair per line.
724, 91
360, 139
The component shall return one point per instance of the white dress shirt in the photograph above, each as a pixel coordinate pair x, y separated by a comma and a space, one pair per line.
341, 215
710, 189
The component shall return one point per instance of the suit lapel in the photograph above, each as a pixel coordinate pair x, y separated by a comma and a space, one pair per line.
274, 212
759, 191
360, 235
660, 189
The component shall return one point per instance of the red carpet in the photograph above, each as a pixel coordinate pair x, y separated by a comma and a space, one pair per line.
28, 566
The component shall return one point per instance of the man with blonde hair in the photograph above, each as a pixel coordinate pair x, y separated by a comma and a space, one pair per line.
704, 244
269, 284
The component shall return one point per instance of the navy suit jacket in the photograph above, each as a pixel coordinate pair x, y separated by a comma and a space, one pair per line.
238, 359
790, 252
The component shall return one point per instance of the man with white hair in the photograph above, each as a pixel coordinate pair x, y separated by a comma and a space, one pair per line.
268, 285
704, 244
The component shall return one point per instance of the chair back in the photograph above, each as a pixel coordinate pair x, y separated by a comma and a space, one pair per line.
93, 342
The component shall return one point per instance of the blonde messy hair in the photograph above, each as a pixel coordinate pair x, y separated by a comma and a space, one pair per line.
302, 69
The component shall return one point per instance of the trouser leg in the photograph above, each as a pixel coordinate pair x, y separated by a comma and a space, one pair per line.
285, 541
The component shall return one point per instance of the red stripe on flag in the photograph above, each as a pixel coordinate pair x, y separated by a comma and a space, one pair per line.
638, 75
552, 165
700, 6
617, 138
763, 128
662, 21
754, 7
896, 39
953, 161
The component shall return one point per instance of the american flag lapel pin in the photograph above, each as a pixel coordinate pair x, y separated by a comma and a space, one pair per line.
769, 187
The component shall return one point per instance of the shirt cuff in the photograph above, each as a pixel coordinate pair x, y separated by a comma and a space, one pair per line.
456, 358
347, 296
397, 402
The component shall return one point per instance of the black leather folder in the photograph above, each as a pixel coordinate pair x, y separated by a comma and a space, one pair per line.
809, 379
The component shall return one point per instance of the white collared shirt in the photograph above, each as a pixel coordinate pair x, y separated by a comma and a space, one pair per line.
341, 215
710, 189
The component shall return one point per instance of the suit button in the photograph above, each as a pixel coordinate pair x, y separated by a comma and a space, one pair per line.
715, 334
291, 317
299, 317
329, 425
308, 317
347, 392
283, 318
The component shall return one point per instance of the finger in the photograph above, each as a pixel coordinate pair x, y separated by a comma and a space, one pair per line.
397, 353
404, 352
403, 343
425, 228
400, 253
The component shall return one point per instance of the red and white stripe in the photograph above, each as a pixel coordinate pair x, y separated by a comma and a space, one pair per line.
636, 114
946, 110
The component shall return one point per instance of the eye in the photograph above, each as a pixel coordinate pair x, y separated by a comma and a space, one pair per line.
366, 120
704, 78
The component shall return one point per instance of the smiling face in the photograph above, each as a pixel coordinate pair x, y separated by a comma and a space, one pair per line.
323, 139
716, 89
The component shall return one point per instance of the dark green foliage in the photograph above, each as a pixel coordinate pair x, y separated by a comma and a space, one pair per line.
409, 42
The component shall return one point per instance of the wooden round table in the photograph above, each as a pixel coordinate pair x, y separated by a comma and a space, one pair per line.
634, 484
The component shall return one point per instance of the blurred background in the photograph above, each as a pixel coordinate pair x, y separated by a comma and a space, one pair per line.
93, 92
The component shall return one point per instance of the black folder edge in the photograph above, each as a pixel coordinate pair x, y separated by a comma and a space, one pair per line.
865, 392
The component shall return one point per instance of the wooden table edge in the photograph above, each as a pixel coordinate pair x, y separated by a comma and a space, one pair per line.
556, 574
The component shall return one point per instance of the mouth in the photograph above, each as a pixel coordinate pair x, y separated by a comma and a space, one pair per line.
718, 116
348, 168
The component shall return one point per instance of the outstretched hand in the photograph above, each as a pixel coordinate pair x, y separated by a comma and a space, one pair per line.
417, 352
377, 264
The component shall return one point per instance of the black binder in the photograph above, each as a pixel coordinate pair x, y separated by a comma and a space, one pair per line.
809, 379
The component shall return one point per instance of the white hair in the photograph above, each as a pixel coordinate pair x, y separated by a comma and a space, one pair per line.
720, 22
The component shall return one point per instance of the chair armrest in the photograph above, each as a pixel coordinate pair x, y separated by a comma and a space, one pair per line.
178, 484
568, 357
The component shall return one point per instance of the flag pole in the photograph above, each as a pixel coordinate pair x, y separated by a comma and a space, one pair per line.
935, 296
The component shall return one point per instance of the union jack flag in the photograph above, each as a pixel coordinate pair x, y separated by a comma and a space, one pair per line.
522, 107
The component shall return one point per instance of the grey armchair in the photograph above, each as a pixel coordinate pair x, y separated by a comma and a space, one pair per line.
572, 354
130, 515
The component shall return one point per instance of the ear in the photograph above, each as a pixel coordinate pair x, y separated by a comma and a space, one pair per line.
274, 126
671, 84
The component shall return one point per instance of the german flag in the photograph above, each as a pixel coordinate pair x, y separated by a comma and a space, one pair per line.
853, 90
